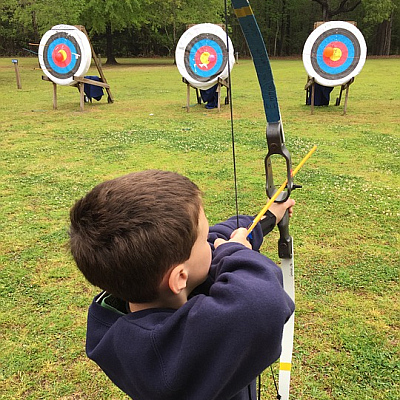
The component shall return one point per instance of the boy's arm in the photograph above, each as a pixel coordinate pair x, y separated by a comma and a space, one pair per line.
276, 212
224, 230
243, 318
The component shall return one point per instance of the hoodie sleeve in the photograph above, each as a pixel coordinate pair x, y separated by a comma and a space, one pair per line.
237, 329
224, 229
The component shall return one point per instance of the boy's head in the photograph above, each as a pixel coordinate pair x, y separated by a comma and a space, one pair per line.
126, 233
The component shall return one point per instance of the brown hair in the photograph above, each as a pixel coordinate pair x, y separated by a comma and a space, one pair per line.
126, 233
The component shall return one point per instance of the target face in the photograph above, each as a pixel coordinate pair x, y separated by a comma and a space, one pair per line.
64, 52
202, 55
334, 53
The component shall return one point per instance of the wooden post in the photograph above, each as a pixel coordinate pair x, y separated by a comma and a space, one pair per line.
312, 97
15, 62
98, 64
345, 100
187, 97
339, 99
345, 86
198, 96
347, 95
219, 95
54, 96
310, 82
222, 82
81, 87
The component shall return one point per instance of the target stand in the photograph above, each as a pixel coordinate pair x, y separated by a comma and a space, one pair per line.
333, 55
65, 54
220, 83
310, 86
205, 56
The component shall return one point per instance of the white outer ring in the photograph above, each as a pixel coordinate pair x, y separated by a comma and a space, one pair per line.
184, 41
86, 53
315, 35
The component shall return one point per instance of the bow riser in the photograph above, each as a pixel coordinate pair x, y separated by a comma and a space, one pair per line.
276, 146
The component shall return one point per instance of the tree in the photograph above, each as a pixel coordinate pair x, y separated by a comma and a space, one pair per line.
379, 15
38, 16
331, 8
109, 16
24, 21
168, 19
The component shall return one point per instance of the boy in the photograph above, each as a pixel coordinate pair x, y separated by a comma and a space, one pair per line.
187, 312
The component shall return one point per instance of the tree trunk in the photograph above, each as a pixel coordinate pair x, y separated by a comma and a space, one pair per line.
276, 37
283, 29
383, 37
36, 37
343, 7
110, 48
325, 14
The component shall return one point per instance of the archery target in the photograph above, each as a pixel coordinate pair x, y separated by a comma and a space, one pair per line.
202, 56
64, 52
334, 53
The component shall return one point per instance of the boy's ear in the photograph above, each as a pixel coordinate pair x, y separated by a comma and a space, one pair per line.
178, 279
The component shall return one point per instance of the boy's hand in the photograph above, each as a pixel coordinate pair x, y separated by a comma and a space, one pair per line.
237, 236
278, 209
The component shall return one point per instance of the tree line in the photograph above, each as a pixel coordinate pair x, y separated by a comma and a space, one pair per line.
135, 28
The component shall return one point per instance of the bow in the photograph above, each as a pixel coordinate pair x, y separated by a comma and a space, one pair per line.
276, 146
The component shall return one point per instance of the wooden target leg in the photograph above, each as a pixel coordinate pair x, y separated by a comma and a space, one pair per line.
345, 100
347, 86
312, 97
82, 95
187, 97
54, 96
219, 96
198, 96
339, 99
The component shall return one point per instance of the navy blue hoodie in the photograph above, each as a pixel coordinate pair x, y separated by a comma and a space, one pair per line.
211, 348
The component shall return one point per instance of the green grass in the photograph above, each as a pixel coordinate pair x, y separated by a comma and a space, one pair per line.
345, 227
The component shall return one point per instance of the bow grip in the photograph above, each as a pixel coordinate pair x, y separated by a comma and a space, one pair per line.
285, 242
276, 146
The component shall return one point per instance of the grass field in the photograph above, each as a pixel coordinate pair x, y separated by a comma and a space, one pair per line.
345, 227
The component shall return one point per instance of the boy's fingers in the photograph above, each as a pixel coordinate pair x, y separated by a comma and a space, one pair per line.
239, 232
218, 242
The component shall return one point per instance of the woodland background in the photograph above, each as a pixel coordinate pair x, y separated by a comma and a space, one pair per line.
147, 28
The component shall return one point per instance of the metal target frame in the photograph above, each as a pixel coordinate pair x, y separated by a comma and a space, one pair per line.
74, 48
347, 59
202, 55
